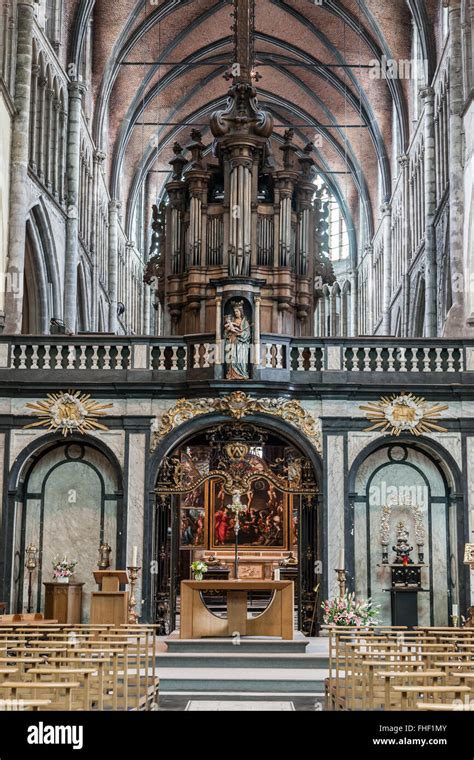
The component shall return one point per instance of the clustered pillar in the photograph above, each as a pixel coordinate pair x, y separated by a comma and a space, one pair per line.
19, 171
76, 91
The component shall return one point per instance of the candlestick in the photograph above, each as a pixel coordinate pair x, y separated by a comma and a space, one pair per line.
132, 602
30, 564
135, 556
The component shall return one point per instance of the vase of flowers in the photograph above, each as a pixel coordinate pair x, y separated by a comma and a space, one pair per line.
199, 568
348, 611
63, 569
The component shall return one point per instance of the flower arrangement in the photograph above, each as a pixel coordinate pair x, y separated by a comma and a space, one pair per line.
348, 611
198, 567
63, 568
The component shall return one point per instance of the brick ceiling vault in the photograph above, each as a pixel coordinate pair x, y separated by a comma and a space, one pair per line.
129, 100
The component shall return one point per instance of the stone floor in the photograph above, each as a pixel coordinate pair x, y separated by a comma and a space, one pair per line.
240, 703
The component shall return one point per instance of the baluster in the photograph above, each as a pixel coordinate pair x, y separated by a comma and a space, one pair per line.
367, 359
22, 358
461, 360
106, 364
312, 358
34, 358
161, 365
450, 360
174, 358
438, 360
71, 357
279, 356
300, 360
58, 359
355, 359
197, 356
426, 360
391, 360
378, 359
95, 358
82, 357
46, 357
268, 356
402, 359
12, 356
414, 360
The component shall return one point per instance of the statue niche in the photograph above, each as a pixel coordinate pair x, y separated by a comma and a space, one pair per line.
237, 336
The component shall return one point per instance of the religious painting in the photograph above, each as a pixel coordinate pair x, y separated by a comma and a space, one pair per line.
264, 524
192, 519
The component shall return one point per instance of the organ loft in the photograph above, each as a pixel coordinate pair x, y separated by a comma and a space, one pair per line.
236, 242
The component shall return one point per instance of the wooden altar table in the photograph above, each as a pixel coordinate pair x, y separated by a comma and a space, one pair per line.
197, 621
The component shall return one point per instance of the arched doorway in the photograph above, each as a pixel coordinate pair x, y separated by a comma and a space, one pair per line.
193, 520
65, 498
415, 487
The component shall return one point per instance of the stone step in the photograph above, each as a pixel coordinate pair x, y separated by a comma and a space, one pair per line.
239, 659
242, 680
246, 644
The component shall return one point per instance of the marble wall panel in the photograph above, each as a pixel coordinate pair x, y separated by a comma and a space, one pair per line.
136, 495
334, 458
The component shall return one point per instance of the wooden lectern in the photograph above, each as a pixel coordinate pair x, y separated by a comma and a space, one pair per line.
109, 605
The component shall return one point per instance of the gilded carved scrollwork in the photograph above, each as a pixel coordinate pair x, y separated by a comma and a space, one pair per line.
239, 405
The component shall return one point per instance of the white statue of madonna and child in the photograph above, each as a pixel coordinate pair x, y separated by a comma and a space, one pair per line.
237, 337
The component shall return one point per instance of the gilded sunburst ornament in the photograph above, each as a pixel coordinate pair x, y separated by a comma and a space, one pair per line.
404, 413
70, 412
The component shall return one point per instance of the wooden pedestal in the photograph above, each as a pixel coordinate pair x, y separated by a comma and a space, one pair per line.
109, 605
63, 602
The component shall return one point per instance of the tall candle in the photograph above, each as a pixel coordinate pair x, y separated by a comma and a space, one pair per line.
135, 556
455, 610
341, 559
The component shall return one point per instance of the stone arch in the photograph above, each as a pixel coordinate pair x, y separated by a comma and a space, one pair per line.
434, 470
188, 430
14, 533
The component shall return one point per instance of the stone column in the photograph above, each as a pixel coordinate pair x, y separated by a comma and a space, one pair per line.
370, 290
353, 329
405, 169
35, 71
455, 323
387, 267
256, 332
114, 207
73, 164
218, 354
19, 171
146, 309
99, 157
427, 94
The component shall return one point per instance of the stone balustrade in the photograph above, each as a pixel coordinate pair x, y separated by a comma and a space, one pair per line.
300, 358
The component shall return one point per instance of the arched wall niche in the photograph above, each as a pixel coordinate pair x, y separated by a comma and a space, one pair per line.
402, 474
65, 497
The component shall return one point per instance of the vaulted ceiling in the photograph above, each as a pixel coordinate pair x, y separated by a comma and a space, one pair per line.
158, 68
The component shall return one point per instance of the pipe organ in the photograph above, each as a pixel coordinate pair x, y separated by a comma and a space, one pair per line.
240, 224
